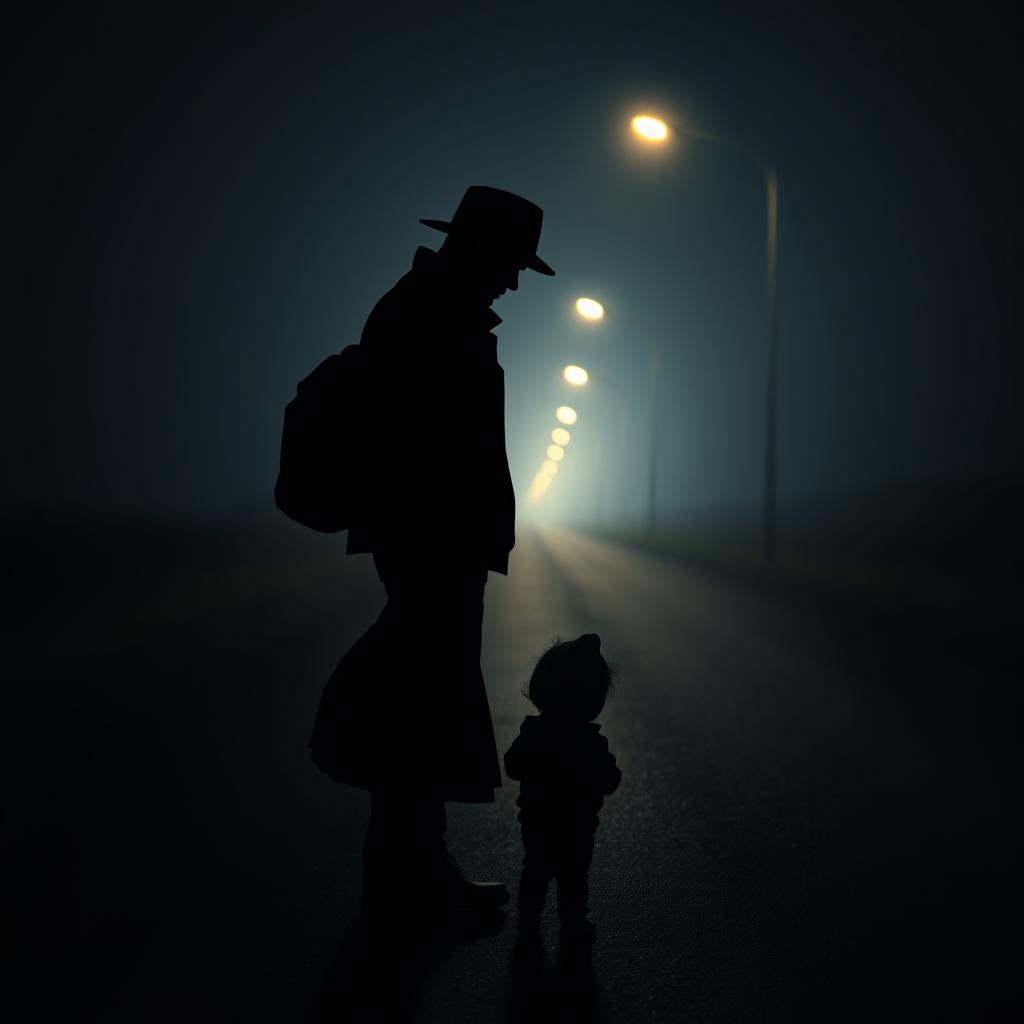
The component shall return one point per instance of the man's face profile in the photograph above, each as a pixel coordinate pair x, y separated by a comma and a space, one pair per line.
488, 271
504, 277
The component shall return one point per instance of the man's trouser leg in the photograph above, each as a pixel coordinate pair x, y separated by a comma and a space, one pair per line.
404, 847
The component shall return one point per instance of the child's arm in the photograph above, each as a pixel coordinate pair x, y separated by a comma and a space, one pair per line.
611, 774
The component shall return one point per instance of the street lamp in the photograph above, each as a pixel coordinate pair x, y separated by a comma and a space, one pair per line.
651, 128
652, 470
589, 309
646, 127
578, 376
553, 454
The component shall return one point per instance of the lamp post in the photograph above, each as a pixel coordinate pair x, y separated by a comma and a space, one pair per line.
654, 130
652, 471
592, 310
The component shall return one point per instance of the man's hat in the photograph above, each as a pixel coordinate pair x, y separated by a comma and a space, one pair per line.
498, 220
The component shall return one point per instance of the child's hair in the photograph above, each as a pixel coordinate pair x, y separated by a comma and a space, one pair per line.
571, 679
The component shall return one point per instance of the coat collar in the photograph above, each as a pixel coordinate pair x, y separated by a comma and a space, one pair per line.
424, 263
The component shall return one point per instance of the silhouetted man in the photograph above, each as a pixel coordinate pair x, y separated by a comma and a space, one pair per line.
405, 714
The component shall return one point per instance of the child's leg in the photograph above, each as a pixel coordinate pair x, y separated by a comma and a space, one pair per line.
533, 891
533, 883
404, 841
573, 890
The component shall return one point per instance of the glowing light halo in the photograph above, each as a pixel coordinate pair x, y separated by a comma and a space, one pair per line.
556, 452
653, 129
576, 375
541, 482
561, 436
589, 309
566, 414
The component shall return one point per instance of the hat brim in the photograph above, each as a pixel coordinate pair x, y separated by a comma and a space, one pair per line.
534, 262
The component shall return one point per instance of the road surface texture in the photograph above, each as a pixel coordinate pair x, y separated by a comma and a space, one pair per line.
817, 819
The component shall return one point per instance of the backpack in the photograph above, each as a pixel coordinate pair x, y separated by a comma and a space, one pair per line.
320, 483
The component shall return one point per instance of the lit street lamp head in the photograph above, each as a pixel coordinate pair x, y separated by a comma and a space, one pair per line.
589, 309
651, 129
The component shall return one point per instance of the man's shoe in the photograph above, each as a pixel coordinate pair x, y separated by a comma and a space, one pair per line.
458, 893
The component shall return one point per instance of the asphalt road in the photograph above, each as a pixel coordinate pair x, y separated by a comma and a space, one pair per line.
817, 818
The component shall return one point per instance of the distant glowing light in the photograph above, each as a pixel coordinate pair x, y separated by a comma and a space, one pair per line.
589, 309
549, 467
561, 436
651, 128
566, 414
541, 482
556, 453
576, 375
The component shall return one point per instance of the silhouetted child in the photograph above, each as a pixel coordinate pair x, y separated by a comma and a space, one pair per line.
566, 771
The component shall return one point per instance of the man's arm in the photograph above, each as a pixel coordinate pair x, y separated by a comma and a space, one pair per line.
605, 767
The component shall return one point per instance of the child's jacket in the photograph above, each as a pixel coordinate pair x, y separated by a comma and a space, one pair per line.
565, 770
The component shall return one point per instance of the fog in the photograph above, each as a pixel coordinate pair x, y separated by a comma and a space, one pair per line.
203, 207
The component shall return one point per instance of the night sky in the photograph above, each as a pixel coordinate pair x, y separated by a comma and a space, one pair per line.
202, 206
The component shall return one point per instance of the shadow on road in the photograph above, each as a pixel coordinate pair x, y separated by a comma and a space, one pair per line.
385, 975
565, 991
379, 974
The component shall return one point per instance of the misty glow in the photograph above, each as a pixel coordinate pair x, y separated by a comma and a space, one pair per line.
561, 436
652, 128
576, 375
589, 309
541, 482
566, 414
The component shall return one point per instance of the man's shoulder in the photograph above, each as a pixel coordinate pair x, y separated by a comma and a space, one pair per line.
408, 297
422, 301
